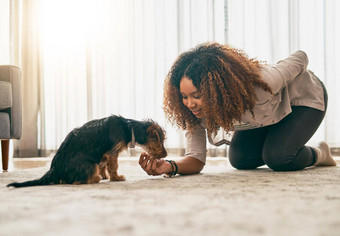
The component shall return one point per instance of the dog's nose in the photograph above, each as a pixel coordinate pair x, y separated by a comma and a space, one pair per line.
164, 153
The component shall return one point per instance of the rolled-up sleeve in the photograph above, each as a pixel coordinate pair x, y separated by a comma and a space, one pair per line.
287, 70
196, 144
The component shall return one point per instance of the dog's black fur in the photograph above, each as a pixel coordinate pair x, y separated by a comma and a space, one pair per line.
78, 157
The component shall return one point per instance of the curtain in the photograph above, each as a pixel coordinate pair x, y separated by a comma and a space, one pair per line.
25, 51
271, 30
4, 32
96, 58
88, 59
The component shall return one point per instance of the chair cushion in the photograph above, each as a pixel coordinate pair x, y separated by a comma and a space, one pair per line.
5, 95
4, 126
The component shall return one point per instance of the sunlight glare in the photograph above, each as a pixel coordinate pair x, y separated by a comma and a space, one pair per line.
66, 24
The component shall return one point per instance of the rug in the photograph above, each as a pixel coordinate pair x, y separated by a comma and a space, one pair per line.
220, 201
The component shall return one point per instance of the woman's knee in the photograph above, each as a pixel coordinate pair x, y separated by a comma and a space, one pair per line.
237, 164
235, 158
278, 162
243, 163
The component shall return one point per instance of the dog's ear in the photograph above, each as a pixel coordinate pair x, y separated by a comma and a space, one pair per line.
156, 134
153, 133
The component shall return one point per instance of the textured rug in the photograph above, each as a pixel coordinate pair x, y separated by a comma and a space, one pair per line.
219, 201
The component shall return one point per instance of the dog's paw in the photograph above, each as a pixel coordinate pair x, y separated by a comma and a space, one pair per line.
117, 178
104, 176
103, 173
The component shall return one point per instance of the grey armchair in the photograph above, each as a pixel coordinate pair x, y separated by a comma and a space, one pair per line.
10, 108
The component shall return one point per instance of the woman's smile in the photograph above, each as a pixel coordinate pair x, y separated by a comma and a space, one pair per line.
196, 112
191, 97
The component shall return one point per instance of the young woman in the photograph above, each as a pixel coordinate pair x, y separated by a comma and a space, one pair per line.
272, 109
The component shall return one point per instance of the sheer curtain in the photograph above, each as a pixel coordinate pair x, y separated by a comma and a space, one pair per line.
4, 32
93, 58
271, 30
111, 57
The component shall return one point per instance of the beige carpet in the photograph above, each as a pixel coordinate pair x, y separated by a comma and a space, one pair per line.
220, 201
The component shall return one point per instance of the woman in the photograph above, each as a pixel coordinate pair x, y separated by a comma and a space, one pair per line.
272, 109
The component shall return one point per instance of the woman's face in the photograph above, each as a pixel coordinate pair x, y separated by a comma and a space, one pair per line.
191, 97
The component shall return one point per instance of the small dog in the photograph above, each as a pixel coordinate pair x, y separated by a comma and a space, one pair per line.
90, 153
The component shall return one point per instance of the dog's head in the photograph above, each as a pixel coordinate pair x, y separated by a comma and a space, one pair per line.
155, 141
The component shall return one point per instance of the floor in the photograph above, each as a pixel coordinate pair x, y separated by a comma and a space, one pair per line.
36, 162
220, 201
16, 164
28, 163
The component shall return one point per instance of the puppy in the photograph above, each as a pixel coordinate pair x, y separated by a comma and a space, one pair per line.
90, 153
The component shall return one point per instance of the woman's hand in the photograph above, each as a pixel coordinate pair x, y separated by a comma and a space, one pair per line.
154, 166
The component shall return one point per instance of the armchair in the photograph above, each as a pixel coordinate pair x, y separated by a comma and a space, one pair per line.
10, 108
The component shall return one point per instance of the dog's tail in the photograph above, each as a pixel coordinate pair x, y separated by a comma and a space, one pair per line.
47, 179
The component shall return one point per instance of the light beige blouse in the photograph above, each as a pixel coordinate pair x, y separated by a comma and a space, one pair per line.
292, 85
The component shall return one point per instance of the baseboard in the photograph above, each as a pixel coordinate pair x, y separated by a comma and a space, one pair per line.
32, 153
136, 152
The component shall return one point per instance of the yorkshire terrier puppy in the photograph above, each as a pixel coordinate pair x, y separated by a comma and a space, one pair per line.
90, 153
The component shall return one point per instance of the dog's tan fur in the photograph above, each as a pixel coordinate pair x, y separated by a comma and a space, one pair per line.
109, 164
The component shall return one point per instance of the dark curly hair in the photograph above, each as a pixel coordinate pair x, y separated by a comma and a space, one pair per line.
225, 78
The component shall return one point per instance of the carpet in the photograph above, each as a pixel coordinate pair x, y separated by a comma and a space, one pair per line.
219, 201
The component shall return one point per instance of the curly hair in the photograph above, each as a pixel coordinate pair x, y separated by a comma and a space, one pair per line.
225, 78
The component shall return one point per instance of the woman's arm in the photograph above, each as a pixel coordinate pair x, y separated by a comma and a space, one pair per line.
285, 71
186, 165
189, 165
